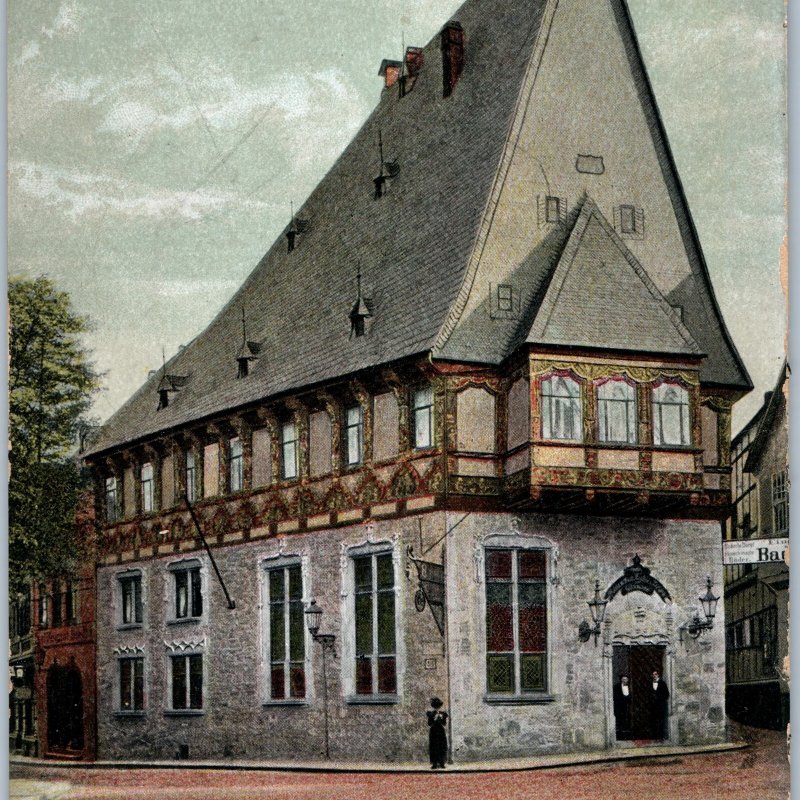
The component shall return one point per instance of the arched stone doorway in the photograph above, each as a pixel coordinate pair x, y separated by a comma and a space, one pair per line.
64, 709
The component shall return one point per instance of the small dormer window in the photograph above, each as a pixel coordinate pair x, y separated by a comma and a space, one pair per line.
249, 351
553, 209
629, 221
360, 312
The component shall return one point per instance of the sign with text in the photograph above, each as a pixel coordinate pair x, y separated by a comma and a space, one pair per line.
754, 551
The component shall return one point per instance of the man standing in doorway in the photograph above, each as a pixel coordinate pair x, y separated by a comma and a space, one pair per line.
622, 707
659, 707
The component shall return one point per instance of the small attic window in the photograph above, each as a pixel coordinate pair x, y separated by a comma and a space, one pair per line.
553, 209
360, 313
505, 297
629, 221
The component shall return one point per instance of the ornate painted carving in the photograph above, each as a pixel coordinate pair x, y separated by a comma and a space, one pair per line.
591, 372
619, 479
475, 485
637, 578
404, 482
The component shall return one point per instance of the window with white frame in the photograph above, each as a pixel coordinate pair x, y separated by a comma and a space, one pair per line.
671, 415
130, 590
422, 405
43, 606
71, 602
286, 633
616, 412
131, 684
236, 465
289, 438
562, 416
191, 475
375, 625
112, 511
780, 503
516, 621
147, 487
188, 590
187, 682
354, 434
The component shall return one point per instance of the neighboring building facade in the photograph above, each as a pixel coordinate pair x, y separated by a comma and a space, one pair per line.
22, 735
65, 643
523, 390
757, 595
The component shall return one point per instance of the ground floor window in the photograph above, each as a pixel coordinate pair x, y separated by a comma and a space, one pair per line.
516, 621
287, 675
131, 684
187, 682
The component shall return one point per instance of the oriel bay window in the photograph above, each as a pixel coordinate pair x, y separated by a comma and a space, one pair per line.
616, 412
562, 417
191, 475
187, 682
671, 415
516, 621
131, 684
375, 623
287, 652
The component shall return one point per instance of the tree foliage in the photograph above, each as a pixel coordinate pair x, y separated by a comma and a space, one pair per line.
51, 383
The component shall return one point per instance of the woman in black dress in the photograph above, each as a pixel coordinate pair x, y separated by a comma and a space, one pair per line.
437, 735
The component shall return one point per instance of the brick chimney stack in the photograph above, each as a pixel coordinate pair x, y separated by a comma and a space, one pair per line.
452, 55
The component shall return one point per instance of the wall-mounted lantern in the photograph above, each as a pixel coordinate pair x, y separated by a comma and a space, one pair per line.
597, 608
709, 603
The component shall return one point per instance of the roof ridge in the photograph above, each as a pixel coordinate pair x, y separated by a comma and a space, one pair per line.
506, 158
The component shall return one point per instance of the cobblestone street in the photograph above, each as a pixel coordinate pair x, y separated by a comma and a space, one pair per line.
762, 772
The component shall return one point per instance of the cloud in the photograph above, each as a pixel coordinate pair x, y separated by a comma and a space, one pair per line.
31, 50
65, 21
63, 90
78, 194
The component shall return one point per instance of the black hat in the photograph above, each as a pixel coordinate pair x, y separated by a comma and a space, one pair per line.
436, 702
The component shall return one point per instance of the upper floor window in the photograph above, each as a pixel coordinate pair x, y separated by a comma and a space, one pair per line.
289, 450
422, 404
561, 408
71, 602
287, 674
616, 412
57, 604
188, 592
354, 430
236, 465
671, 415
780, 503
111, 500
516, 621
375, 623
147, 487
191, 475
187, 682
131, 684
43, 610
130, 589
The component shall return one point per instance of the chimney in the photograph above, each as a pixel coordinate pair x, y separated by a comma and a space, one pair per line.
390, 72
452, 55
411, 69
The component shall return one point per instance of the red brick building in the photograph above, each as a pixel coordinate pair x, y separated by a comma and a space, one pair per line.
64, 634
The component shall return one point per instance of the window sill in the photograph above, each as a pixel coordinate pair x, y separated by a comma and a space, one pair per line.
299, 701
372, 699
518, 699
185, 621
129, 714
184, 712
130, 626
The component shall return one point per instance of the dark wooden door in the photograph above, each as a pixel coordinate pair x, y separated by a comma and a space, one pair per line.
638, 662
64, 709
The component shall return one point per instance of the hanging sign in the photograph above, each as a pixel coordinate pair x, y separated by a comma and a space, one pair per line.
754, 551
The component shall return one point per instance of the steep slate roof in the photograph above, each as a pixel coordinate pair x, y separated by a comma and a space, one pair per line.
413, 246
599, 296
773, 409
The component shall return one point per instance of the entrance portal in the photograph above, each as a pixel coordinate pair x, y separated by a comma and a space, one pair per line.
64, 709
634, 714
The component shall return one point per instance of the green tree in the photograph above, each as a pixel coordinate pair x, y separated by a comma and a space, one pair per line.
51, 383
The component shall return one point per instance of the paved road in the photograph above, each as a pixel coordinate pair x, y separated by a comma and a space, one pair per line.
760, 773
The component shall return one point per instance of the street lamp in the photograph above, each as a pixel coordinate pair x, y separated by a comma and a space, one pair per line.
313, 618
597, 608
709, 603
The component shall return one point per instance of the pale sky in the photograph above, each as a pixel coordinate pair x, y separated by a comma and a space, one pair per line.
154, 148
